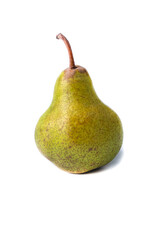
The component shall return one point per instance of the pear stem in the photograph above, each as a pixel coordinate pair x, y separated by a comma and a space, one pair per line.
71, 59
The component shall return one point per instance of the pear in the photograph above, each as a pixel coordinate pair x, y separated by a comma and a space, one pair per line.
78, 133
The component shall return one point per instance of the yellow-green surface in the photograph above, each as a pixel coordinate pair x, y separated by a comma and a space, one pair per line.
78, 132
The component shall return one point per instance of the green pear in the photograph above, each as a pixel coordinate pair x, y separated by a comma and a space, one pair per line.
78, 132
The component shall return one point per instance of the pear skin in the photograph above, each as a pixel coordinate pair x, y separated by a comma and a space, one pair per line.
78, 132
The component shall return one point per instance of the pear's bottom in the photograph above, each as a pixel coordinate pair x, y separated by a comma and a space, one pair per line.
84, 162
82, 170
80, 146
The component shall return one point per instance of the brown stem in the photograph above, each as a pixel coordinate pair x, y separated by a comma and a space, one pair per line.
71, 59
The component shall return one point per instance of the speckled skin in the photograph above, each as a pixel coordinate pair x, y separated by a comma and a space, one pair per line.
78, 132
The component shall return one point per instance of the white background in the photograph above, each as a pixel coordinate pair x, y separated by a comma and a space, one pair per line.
118, 42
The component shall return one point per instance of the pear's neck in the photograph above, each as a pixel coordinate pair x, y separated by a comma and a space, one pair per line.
77, 88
